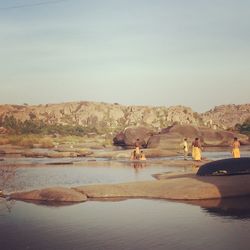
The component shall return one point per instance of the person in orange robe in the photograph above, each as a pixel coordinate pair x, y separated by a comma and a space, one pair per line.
236, 148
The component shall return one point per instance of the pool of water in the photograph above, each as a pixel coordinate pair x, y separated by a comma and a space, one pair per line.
129, 224
27, 178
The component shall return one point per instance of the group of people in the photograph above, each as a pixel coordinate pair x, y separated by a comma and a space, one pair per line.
197, 149
137, 153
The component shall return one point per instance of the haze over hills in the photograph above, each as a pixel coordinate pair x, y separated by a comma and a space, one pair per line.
116, 116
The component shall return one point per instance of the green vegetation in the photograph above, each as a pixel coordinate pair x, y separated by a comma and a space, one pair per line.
36, 133
27, 140
32, 126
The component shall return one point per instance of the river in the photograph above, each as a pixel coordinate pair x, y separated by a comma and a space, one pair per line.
126, 224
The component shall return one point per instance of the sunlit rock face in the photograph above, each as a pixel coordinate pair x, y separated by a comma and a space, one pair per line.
226, 116
111, 118
103, 115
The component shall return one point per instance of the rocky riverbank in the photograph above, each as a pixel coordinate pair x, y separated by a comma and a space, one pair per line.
173, 187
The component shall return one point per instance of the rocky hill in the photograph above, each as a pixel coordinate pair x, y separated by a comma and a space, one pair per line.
226, 116
114, 117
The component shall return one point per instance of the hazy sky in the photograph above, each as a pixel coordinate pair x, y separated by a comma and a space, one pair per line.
135, 52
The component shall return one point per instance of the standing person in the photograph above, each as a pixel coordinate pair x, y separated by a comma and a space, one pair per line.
196, 149
236, 148
185, 148
137, 149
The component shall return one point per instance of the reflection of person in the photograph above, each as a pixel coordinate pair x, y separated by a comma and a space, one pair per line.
196, 149
138, 165
236, 148
185, 148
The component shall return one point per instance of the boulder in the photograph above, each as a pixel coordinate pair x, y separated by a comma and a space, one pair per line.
188, 131
129, 136
172, 136
165, 141
119, 139
180, 187
58, 194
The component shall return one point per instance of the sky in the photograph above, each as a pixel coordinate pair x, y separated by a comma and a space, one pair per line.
194, 53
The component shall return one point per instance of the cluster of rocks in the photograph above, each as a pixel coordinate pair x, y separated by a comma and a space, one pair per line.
172, 136
226, 116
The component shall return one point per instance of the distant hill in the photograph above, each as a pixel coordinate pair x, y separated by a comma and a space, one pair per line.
114, 117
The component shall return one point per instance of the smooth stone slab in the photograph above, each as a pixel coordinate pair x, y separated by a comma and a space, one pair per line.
59, 194
189, 187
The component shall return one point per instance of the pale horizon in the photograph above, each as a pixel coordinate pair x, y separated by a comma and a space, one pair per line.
148, 53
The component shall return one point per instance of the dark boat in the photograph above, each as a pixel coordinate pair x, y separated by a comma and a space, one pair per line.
231, 166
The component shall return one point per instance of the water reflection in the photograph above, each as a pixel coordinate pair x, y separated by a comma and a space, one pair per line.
138, 166
95, 173
6, 206
236, 208
130, 224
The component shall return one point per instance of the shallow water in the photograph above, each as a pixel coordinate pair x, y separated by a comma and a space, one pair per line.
113, 172
94, 171
129, 224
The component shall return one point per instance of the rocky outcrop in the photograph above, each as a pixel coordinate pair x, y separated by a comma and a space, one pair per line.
226, 116
172, 136
56, 194
114, 117
173, 187
104, 116
56, 154
179, 187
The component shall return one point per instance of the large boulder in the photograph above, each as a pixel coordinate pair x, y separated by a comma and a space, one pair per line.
188, 131
119, 139
129, 136
172, 136
56, 194
165, 141
179, 187
211, 137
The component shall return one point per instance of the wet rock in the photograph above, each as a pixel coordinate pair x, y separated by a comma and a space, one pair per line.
112, 154
59, 194
33, 154
187, 187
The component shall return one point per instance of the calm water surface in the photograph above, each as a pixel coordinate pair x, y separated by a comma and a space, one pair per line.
70, 175
127, 224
